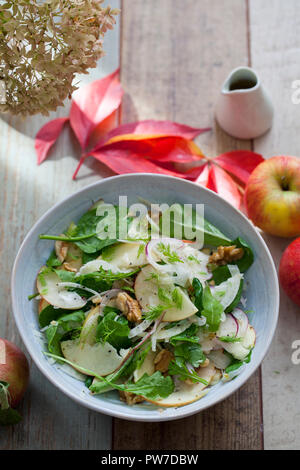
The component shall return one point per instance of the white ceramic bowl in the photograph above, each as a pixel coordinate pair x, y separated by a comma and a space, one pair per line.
262, 290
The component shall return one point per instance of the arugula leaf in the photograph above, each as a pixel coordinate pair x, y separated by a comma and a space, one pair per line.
179, 368
150, 386
106, 275
189, 335
191, 353
212, 310
114, 331
7, 414
101, 386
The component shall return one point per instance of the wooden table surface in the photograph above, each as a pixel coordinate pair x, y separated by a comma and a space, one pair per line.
174, 56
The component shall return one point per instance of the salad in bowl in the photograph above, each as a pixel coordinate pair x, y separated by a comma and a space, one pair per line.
159, 319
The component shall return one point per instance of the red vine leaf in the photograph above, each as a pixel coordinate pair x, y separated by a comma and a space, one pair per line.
240, 163
125, 161
47, 136
149, 129
93, 104
224, 185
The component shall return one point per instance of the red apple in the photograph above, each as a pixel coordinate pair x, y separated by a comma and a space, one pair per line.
272, 196
14, 370
289, 271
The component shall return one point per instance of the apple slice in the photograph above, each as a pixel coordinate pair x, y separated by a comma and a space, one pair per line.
88, 332
48, 287
102, 359
125, 256
147, 366
187, 393
146, 292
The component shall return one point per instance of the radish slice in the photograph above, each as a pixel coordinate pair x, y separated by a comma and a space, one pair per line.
229, 327
242, 320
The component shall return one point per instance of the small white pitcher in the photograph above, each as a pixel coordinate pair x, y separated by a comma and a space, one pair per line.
244, 109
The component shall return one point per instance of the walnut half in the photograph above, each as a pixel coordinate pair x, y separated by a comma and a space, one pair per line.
162, 360
129, 307
226, 254
130, 398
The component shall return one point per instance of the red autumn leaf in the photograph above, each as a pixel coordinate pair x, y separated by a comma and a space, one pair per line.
47, 136
93, 104
224, 185
123, 161
204, 177
239, 163
149, 129
162, 150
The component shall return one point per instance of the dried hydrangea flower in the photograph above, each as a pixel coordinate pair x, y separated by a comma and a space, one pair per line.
43, 44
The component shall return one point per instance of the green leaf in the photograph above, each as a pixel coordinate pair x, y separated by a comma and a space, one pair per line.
150, 386
65, 324
212, 310
179, 368
236, 364
49, 314
113, 331
198, 293
212, 235
191, 353
53, 260
246, 261
189, 335
100, 386
222, 273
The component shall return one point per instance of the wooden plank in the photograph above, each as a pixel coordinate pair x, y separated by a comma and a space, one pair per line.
275, 29
50, 419
175, 56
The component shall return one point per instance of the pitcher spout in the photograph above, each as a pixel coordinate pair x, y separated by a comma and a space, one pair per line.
241, 80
